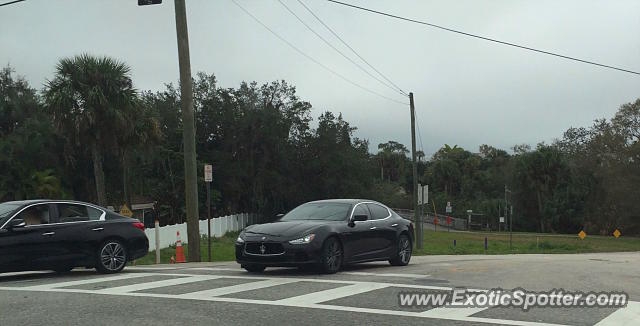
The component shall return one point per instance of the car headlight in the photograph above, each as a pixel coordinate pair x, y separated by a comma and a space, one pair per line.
239, 239
306, 239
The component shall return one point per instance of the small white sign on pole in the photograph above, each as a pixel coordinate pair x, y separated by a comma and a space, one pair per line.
501, 219
208, 173
426, 193
449, 209
423, 194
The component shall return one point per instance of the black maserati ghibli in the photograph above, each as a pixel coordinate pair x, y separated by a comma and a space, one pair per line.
327, 234
60, 235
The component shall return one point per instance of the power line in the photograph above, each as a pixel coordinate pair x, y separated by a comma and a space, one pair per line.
484, 38
350, 48
312, 59
10, 3
336, 49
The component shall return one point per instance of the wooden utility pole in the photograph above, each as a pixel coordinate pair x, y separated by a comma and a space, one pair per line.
188, 133
416, 216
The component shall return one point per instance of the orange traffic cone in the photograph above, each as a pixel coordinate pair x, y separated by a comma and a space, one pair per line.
179, 251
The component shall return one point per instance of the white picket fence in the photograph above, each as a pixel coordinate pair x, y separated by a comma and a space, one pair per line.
219, 226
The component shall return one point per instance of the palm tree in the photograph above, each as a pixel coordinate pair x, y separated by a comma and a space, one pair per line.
45, 184
92, 102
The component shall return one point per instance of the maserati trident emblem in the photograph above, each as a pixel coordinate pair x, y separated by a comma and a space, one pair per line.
263, 249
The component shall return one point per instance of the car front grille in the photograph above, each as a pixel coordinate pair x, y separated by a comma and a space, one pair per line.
264, 248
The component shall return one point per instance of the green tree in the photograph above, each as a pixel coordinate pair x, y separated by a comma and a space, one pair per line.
393, 161
29, 164
91, 101
540, 176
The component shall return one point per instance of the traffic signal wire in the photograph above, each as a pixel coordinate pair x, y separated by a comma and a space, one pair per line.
313, 59
394, 86
483, 37
10, 3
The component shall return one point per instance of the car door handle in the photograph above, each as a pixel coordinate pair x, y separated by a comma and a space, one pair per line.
48, 234
394, 224
97, 229
372, 228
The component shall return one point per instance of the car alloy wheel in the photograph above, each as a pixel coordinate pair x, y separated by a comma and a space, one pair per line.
332, 256
112, 257
403, 255
404, 250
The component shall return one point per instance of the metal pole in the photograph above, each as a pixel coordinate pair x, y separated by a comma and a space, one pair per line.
209, 218
157, 232
420, 235
435, 214
188, 133
416, 216
511, 229
505, 202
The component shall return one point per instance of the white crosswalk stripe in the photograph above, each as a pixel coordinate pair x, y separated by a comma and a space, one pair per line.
629, 315
237, 288
313, 300
332, 294
85, 281
405, 275
156, 284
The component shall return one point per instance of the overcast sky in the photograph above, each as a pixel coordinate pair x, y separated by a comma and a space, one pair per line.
467, 91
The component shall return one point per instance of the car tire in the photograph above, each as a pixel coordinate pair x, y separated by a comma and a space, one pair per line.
111, 257
331, 256
254, 268
402, 255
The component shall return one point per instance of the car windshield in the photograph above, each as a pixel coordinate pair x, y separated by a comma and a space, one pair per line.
319, 211
5, 211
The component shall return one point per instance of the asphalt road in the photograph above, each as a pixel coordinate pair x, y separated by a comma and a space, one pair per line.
223, 294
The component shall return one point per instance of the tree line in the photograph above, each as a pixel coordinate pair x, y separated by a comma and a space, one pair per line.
90, 135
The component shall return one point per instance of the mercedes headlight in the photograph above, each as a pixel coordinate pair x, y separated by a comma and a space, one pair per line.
306, 239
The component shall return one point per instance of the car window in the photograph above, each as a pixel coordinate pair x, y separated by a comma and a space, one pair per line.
378, 212
361, 210
77, 213
318, 211
6, 210
35, 215
94, 214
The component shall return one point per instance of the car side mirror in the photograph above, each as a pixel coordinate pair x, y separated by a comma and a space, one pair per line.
17, 223
359, 218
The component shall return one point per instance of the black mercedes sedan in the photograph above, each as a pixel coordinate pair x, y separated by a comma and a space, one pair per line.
327, 234
60, 235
